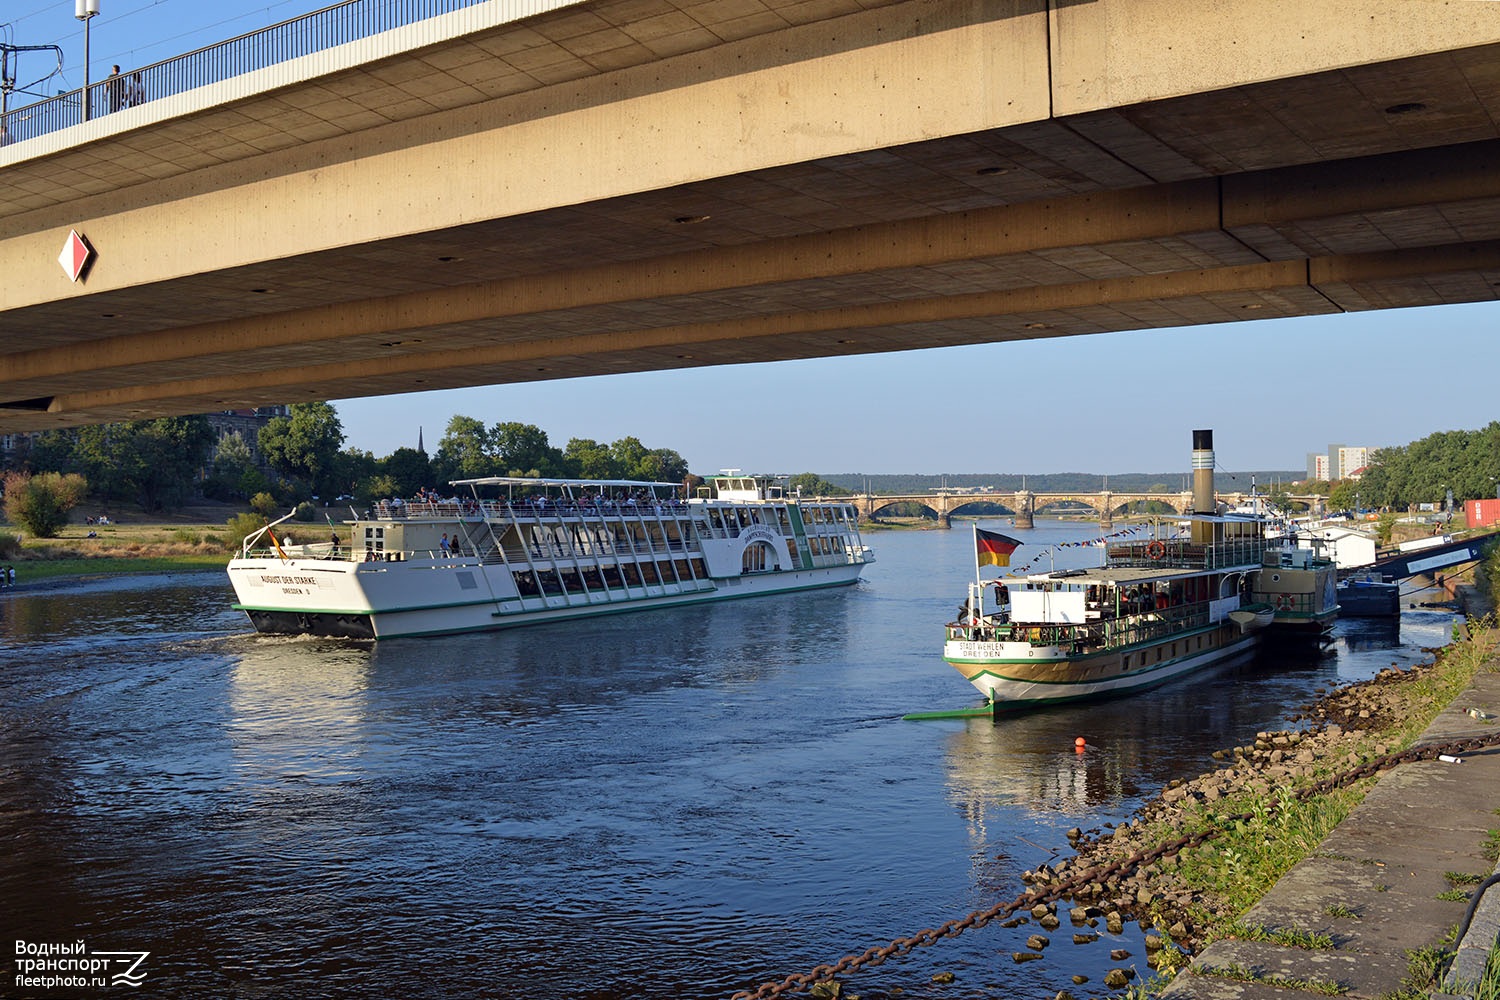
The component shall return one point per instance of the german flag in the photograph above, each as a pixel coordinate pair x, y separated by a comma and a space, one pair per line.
992, 548
277, 545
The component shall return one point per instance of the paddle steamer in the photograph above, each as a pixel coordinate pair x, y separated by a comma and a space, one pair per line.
1157, 609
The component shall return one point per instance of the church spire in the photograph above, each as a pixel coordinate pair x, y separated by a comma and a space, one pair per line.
419, 440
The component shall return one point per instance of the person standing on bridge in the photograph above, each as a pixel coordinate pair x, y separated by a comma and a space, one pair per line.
114, 89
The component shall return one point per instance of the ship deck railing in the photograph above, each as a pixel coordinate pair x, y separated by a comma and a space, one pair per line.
1179, 553
400, 510
1108, 632
513, 553
1286, 603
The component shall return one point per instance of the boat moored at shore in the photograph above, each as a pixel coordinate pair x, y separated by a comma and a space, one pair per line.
1152, 613
548, 550
1157, 609
1366, 598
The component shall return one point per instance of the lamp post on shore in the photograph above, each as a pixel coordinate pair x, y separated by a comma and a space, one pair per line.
85, 10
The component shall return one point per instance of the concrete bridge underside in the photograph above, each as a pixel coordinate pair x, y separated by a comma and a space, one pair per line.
623, 185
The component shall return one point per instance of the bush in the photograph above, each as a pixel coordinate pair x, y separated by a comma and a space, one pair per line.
1385, 527
305, 512
239, 527
264, 504
187, 536
10, 546
40, 503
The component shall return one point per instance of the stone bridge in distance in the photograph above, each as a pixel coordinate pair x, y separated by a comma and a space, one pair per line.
1024, 505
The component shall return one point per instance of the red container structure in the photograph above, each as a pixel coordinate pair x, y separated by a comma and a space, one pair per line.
1482, 513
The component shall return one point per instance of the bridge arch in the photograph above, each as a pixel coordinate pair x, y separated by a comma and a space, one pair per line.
1005, 510
884, 505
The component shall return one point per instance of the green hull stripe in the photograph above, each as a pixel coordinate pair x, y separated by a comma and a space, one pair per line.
956, 713
1225, 650
458, 604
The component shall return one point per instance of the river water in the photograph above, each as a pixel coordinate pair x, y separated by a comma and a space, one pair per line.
679, 803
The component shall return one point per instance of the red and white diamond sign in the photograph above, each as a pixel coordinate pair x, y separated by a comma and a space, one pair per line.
75, 256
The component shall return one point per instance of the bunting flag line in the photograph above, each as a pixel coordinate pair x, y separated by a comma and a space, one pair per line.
1041, 557
992, 548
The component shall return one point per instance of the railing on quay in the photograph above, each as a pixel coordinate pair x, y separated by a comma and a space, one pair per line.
323, 29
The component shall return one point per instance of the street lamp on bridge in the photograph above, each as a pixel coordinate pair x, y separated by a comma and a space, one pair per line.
85, 10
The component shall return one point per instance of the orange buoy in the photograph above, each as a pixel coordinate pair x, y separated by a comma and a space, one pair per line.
1080, 743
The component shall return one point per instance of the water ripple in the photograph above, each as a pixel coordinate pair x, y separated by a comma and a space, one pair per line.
668, 805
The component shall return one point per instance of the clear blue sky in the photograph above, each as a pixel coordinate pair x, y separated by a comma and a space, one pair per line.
1113, 403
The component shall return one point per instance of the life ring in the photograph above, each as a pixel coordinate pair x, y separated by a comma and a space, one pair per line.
1155, 550
1285, 602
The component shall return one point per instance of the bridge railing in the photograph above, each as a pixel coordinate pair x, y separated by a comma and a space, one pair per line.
322, 29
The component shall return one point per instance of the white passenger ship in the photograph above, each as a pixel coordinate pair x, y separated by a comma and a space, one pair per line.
551, 549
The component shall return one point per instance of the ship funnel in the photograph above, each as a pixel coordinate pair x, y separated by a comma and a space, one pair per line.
1203, 473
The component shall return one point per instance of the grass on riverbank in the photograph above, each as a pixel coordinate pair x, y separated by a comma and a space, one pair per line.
116, 549
1230, 873
39, 570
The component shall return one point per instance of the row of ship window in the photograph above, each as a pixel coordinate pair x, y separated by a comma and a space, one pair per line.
537, 583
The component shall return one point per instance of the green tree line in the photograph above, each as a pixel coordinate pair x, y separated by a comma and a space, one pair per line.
1466, 462
161, 464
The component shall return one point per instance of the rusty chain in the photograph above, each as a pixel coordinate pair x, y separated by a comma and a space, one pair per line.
798, 982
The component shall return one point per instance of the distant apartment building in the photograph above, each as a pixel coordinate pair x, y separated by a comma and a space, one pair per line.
1344, 461
12, 446
1340, 462
247, 424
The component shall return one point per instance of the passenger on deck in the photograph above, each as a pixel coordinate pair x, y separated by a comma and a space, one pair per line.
444, 545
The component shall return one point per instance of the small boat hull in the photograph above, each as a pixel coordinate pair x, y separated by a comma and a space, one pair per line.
1254, 617
1367, 599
